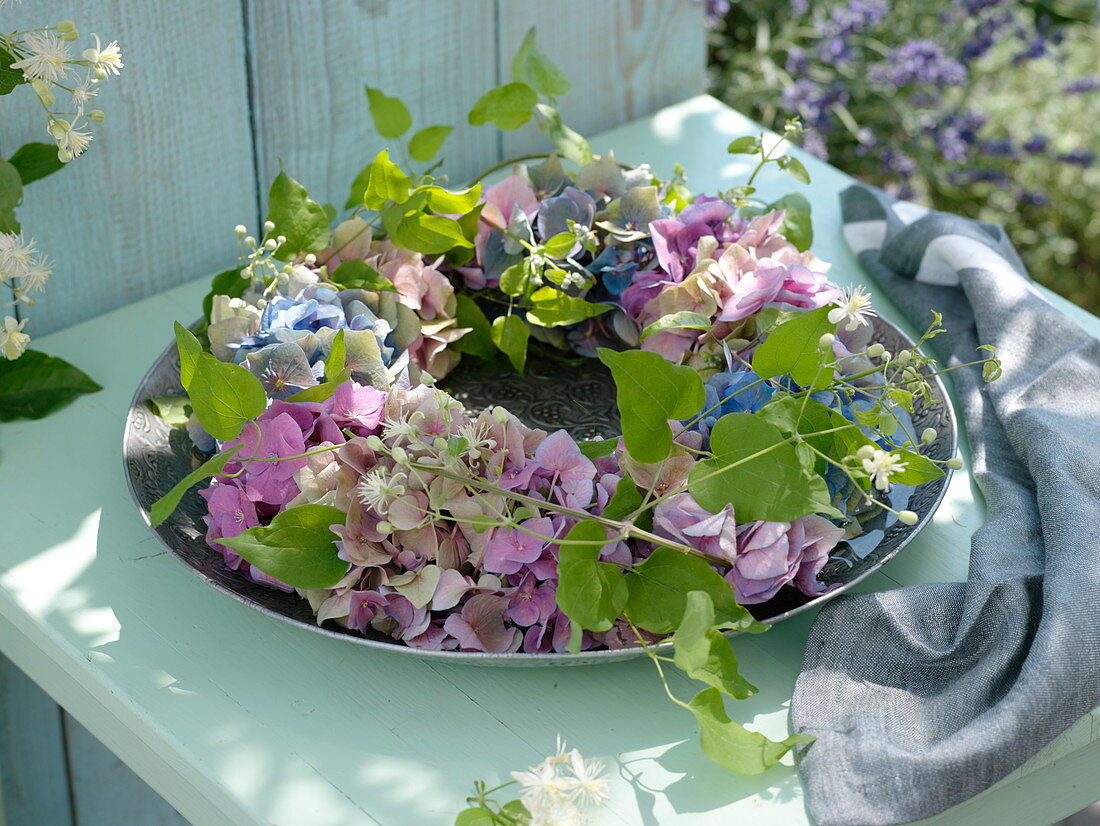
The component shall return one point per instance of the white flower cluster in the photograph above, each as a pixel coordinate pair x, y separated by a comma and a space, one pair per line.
25, 271
49, 65
562, 788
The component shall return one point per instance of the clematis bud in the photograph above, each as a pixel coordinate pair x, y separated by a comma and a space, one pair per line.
400, 455
384, 527
826, 341
907, 518
71, 35
310, 259
97, 115
903, 358
241, 230
865, 452
58, 128
954, 463
42, 89
66, 26
928, 436
268, 226
875, 350
375, 444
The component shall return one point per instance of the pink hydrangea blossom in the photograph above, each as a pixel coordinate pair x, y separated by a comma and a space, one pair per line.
480, 625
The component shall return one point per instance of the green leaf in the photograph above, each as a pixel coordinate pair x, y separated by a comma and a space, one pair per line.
320, 392
9, 77
918, 469
384, 182
658, 590
683, 320
425, 144
476, 816
597, 448
649, 392
807, 416
227, 283
772, 485
510, 335
507, 107
174, 410
213, 466
479, 341
301, 219
795, 168
359, 275
703, 653
797, 223
337, 357
792, 349
550, 307
189, 349
451, 203
296, 548
571, 145
391, 117
732, 745
11, 186
591, 593
532, 67
624, 501
35, 161
427, 234
224, 397
560, 245
35, 385
748, 145
513, 281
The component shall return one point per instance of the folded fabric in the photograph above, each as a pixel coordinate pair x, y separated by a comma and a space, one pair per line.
924, 696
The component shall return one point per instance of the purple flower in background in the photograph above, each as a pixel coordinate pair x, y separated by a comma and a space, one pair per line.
716, 11
814, 143
1036, 144
797, 63
1031, 198
814, 102
918, 61
1081, 85
1036, 48
1077, 157
1001, 148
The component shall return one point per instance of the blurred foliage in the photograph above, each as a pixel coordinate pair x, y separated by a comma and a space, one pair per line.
977, 107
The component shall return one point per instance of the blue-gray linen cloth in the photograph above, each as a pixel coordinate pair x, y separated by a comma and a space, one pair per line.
924, 696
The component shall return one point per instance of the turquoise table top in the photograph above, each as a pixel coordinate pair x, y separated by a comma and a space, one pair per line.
239, 720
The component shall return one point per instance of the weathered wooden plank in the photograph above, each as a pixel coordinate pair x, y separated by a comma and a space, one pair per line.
33, 779
105, 792
312, 58
626, 58
169, 173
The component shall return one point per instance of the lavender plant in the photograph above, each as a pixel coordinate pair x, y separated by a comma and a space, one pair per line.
971, 106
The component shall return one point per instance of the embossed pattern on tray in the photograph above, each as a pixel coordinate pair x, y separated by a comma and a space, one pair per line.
578, 396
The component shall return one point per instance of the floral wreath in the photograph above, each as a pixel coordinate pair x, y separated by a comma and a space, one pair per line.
760, 425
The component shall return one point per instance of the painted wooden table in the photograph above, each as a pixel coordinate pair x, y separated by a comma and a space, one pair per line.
237, 719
